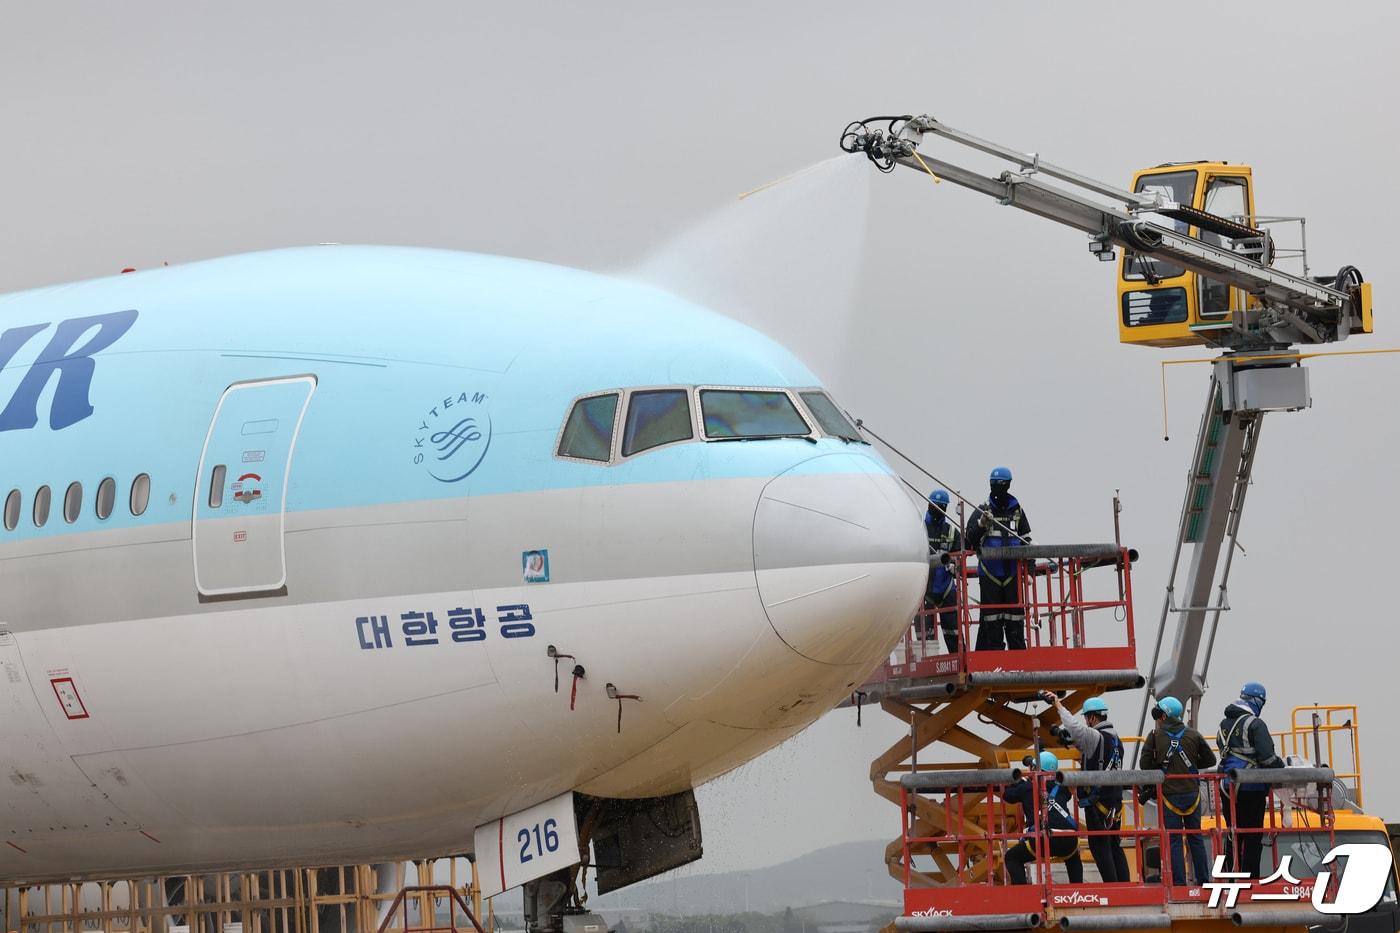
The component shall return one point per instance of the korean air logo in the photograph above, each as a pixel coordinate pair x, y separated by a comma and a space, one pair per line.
453, 437
67, 357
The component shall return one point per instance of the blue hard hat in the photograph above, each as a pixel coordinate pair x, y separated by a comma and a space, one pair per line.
939, 497
1171, 706
1254, 694
1095, 705
1001, 475
1048, 762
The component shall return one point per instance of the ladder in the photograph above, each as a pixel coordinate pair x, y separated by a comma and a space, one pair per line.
1221, 469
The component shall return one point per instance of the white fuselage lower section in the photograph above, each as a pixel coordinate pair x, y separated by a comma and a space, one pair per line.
272, 731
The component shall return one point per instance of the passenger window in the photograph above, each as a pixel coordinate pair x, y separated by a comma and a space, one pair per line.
831, 419
43, 498
589, 431
216, 486
140, 493
12, 506
73, 502
106, 498
749, 413
655, 418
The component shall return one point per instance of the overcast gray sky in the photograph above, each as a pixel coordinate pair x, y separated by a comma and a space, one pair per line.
601, 134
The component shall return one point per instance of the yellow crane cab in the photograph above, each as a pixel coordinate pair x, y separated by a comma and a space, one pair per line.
1161, 304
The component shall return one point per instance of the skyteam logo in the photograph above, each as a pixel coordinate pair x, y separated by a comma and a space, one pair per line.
453, 437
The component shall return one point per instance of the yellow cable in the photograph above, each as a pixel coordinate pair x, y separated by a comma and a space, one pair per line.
924, 165
1166, 431
1283, 356
1251, 358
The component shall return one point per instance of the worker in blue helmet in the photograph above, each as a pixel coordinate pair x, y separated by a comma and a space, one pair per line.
1053, 818
1100, 749
941, 596
1244, 743
1000, 522
1181, 753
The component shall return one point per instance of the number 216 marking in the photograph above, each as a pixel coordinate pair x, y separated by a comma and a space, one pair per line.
546, 841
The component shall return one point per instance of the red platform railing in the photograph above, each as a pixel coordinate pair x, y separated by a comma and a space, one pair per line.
982, 885
426, 896
1068, 624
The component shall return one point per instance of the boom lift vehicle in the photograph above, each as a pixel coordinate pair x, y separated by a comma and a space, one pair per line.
1196, 267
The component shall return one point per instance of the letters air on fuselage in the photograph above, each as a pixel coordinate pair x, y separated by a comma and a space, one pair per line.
74, 366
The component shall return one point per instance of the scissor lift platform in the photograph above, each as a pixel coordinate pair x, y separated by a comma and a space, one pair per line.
981, 826
1079, 642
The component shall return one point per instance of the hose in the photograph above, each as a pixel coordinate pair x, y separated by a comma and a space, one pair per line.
1139, 236
1348, 277
859, 136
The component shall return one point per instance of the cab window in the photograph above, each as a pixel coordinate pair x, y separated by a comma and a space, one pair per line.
1163, 306
1179, 187
1225, 197
656, 417
588, 433
736, 413
830, 418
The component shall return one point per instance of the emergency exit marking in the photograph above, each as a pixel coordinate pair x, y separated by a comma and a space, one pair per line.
67, 693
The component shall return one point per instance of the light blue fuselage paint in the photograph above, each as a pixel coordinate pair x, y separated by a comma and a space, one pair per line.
441, 374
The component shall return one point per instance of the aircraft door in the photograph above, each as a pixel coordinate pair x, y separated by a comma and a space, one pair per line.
241, 489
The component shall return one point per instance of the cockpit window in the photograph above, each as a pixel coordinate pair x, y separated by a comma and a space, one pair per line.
656, 417
829, 416
750, 413
589, 432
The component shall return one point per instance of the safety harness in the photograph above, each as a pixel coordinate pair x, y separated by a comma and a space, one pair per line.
940, 541
1053, 809
1109, 757
1012, 521
1058, 817
1238, 755
1230, 749
1175, 750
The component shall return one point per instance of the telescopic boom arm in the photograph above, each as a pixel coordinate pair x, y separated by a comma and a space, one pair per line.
1294, 309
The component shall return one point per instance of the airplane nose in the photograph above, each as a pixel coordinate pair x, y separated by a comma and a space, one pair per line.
840, 556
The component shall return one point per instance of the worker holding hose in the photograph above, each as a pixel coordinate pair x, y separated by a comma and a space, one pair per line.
941, 597
1000, 522
1100, 749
